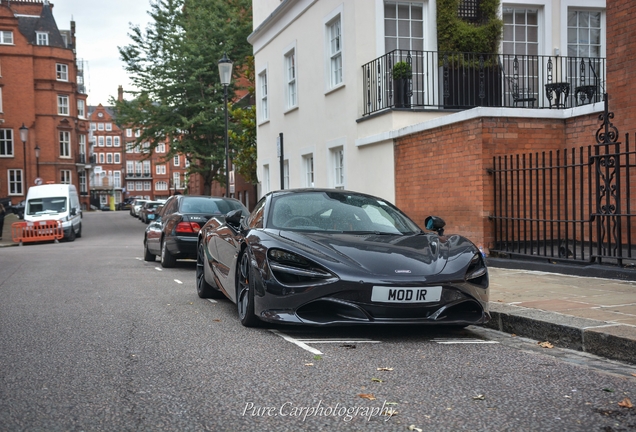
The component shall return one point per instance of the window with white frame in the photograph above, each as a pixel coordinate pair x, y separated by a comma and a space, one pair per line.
6, 142
116, 179
93, 127
42, 38
308, 165
109, 158
109, 126
160, 169
130, 147
138, 168
161, 186
337, 160
100, 141
61, 72
265, 181
82, 144
137, 133
334, 36
129, 132
585, 33
291, 84
109, 141
65, 144
102, 158
147, 185
62, 105
146, 168
403, 26
6, 38
81, 175
100, 126
81, 108
176, 180
130, 167
264, 103
161, 148
186, 161
117, 158
65, 176
116, 141
1, 110
176, 160
15, 182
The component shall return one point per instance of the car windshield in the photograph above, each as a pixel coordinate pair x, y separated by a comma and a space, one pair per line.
49, 205
209, 206
338, 212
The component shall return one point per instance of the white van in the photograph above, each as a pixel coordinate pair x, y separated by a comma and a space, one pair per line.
55, 202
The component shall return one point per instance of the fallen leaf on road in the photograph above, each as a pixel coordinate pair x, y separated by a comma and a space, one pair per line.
609, 390
413, 428
626, 403
545, 344
634, 375
349, 346
389, 412
366, 396
500, 301
216, 320
479, 397
309, 364
376, 380
385, 369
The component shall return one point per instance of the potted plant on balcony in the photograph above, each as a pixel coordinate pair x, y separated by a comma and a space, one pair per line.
402, 74
468, 43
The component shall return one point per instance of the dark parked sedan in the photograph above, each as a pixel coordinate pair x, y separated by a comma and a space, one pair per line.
148, 211
173, 233
330, 257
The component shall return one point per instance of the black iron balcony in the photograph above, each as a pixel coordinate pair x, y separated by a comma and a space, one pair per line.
459, 81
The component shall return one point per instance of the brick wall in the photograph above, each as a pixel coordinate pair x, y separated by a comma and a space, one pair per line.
443, 171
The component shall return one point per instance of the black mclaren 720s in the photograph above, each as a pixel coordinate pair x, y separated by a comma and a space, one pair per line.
334, 257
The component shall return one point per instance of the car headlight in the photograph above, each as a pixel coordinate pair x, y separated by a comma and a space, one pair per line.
292, 269
477, 273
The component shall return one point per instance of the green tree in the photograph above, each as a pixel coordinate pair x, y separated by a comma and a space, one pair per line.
173, 66
243, 134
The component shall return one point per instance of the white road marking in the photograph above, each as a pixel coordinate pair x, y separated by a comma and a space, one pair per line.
463, 341
138, 259
178, 281
158, 269
344, 341
211, 300
296, 342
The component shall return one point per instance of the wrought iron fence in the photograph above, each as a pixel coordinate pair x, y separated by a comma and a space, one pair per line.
571, 205
467, 80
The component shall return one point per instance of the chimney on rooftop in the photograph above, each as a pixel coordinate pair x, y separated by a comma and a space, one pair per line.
120, 94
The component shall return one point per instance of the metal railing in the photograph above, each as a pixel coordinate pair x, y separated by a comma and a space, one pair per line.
466, 80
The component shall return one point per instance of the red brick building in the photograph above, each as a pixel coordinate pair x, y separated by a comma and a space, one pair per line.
41, 87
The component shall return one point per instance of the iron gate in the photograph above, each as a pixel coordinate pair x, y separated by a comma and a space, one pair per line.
570, 205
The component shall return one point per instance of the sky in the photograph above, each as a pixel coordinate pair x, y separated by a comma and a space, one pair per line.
100, 27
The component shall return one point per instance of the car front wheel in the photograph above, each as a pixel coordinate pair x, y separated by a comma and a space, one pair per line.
245, 293
167, 259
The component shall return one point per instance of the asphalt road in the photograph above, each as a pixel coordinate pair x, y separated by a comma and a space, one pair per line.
92, 338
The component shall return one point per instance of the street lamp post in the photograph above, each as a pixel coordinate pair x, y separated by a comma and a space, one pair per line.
37, 160
24, 135
225, 72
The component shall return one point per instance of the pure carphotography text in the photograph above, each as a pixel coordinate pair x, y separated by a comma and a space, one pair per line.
319, 409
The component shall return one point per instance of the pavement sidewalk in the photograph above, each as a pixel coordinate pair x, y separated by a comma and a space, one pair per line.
585, 313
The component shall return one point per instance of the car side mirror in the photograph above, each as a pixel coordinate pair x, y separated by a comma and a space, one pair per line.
73, 211
434, 223
234, 218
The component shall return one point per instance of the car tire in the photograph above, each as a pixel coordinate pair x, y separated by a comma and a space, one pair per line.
79, 232
147, 255
245, 293
167, 259
204, 289
71, 235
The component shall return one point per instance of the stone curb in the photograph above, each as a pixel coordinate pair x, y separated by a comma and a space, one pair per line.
605, 339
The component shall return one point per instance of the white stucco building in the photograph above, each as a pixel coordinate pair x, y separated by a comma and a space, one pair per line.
311, 85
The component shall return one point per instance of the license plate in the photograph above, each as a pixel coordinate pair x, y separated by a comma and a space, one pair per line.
385, 294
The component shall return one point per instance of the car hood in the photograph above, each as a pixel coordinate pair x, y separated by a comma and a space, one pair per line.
384, 254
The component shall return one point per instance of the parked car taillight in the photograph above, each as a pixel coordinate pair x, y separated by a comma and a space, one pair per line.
188, 228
